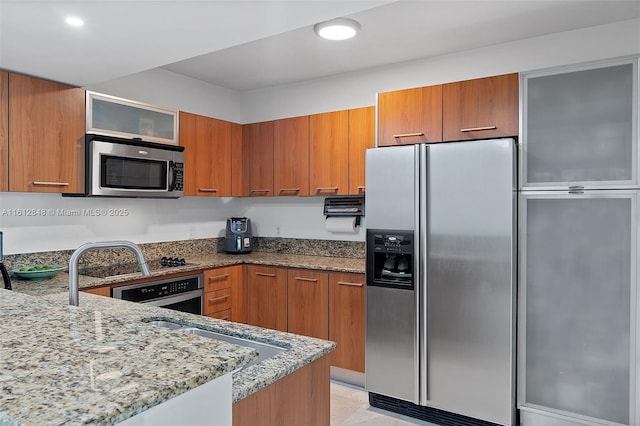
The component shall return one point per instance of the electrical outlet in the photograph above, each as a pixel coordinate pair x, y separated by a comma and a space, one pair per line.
276, 230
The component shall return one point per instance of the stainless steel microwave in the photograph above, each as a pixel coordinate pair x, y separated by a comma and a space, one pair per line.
132, 168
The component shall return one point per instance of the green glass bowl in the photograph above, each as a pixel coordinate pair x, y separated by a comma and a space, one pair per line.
39, 275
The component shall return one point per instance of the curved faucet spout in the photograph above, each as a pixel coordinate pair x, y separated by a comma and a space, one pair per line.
75, 257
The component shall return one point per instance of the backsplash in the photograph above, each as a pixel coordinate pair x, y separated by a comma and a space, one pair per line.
328, 248
189, 248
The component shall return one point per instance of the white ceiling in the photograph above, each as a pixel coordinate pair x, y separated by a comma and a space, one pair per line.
246, 45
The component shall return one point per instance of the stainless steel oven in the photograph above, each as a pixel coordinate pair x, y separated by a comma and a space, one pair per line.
184, 294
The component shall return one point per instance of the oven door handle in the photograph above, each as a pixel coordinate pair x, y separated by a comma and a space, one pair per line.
176, 298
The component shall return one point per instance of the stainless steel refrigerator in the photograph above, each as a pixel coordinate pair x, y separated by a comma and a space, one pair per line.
441, 288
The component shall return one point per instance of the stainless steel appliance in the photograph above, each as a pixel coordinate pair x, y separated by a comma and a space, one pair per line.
131, 168
440, 247
238, 237
183, 294
3, 270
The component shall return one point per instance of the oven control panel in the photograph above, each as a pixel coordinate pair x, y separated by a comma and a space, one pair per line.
155, 290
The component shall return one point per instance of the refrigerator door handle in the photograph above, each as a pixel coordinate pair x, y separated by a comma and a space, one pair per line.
421, 197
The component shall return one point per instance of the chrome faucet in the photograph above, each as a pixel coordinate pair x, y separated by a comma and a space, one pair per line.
73, 263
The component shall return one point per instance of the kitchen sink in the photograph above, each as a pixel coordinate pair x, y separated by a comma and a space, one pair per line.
264, 350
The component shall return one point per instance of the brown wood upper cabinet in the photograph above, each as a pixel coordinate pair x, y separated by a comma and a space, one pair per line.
257, 139
4, 131
239, 162
329, 153
410, 116
46, 140
481, 108
291, 156
207, 143
362, 135
308, 303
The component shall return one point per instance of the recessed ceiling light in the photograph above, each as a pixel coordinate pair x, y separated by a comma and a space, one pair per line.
337, 29
74, 21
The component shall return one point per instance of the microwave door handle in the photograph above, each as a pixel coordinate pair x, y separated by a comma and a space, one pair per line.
172, 176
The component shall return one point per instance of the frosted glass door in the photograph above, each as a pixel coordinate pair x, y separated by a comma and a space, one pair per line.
107, 115
577, 311
579, 127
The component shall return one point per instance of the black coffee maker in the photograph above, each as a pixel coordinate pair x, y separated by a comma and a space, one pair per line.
3, 270
238, 238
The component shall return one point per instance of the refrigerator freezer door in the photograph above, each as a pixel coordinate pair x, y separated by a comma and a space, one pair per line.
470, 314
391, 187
391, 362
391, 347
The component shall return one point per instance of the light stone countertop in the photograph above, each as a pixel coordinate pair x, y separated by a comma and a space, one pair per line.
53, 316
63, 364
60, 282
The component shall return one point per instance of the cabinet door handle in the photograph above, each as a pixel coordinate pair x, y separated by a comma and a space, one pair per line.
51, 183
477, 129
217, 277
217, 299
264, 274
576, 189
327, 188
289, 189
208, 189
312, 280
259, 190
408, 135
350, 284
360, 187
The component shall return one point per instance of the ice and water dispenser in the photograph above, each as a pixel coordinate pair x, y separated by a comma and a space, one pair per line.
390, 260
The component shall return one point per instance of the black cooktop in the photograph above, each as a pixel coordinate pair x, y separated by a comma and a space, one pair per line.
132, 268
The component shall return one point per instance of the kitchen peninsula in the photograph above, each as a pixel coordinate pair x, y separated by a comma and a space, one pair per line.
63, 352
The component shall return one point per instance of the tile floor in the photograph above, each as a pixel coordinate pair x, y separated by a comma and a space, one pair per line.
350, 407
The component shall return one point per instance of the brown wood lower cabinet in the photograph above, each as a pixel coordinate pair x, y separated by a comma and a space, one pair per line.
100, 291
301, 398
308, 303
346, 320
267, 297
225, 294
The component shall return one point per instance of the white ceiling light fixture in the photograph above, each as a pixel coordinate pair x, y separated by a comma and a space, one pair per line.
74, 21
337, 29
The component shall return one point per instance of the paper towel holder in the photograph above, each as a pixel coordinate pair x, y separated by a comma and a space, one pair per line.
344, 206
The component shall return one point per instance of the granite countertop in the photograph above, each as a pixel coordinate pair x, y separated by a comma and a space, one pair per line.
60, 282
92, 365
95, 348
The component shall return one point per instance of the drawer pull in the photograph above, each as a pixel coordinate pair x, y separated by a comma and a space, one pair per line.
312, 280
289, 189
408, 135
264, 274
350, 284
259, 190
208, 189
477, 129
217, 277
51, 183
217, 299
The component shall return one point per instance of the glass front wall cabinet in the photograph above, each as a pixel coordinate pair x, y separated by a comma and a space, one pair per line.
578, 298
111, 116
579, 126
